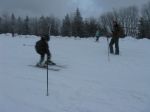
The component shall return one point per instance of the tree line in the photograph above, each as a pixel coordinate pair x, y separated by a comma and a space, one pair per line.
71, 25
135, 23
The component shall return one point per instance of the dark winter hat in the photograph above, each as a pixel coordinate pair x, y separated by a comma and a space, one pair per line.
45, 37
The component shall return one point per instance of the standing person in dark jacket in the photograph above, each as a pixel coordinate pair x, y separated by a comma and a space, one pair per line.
115, 38
42, 48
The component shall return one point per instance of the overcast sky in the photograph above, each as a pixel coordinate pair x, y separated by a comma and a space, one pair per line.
60, 8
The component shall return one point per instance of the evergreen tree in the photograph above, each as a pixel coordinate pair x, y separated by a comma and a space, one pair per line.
90, 27
26, 26
66, 26
77, 24
93, 26
35, 26
19, 25
144, 27
5, 23
43, 26
0, 25
13, 23
55, 26
86, 28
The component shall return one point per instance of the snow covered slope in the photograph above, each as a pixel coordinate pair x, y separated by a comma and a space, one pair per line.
90, 83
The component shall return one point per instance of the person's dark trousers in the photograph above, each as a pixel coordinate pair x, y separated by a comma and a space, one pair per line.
116, 42
117, 46
97, 38
42, 58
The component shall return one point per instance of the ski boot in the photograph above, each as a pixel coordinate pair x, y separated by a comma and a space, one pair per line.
41, 65
49, 62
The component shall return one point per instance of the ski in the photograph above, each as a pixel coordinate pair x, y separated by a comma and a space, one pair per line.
57, 65
45, 67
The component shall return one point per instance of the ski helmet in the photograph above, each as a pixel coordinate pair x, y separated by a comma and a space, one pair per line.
45, 37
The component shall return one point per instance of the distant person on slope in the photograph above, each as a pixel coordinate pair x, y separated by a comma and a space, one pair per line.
42, 48
97, 35
116, 33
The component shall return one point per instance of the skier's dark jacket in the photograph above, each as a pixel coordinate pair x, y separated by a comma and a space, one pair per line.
42, 47
118, 31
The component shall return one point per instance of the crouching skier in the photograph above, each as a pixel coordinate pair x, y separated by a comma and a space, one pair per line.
42, 48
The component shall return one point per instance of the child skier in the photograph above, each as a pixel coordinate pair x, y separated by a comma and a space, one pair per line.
42, 48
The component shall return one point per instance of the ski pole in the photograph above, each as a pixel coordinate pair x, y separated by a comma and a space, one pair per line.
108, 48
108, 34
47, 94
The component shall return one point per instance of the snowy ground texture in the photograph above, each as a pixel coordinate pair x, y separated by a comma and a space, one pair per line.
89, 83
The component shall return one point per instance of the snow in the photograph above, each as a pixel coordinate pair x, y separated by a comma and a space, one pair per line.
90, 83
